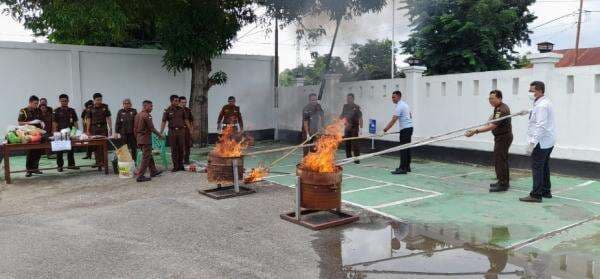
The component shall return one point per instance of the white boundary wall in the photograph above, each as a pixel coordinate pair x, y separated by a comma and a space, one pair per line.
48, 70
575, 92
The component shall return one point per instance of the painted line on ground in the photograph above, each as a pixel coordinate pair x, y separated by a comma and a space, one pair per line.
375, 211
401, 185
404, 201
587, 183
368, 188
459, 175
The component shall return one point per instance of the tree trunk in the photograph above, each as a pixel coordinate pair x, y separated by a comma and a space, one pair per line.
201, 69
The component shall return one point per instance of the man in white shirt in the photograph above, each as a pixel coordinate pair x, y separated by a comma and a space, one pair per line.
403, 115
541, 136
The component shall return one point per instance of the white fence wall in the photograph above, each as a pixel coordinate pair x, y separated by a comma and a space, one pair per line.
448, 102
48, 70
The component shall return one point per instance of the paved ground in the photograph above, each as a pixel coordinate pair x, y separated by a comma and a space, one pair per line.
86, 224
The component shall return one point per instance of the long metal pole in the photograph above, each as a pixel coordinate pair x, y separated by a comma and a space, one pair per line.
578, 34
328, 61
276, 83
393, 37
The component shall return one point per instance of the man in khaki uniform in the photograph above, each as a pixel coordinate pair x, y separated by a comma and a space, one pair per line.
188, 130
175, 116
65, 117
230, 115
31, 115
143, 128
354, 122
99, 123
88, 105
313, 119
124, 127
503, 138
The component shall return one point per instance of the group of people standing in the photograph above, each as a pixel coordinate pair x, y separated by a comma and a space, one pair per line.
541, 135
131, 127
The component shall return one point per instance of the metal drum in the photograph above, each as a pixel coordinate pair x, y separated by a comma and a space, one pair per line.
320, 190
220, 169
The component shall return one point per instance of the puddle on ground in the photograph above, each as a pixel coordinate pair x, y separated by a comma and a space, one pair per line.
376, 247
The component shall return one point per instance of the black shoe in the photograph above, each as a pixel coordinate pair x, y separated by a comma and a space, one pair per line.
87, 157
530, 199
28, 174
38, 172
60, 169
182, 169
143, 179
357, 162
174, 170
409, 170
398, 171
493, 185
498, 189
547, 195
157, 173
73, 167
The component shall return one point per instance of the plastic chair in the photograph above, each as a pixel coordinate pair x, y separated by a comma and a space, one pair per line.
161, 146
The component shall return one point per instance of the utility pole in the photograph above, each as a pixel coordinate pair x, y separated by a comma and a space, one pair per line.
393, 37
276, 81
578, 34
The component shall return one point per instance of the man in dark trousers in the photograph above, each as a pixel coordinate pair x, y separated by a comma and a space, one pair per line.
230, 115
65, 117
503, 138
188, 130
99, 124
541, 137
175, 116
88, 105
46, 113
143, 128
403, 115
124, 127
354, 122
313, 119
31, 115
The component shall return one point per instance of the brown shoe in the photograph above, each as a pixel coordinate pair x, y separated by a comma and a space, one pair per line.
530, 199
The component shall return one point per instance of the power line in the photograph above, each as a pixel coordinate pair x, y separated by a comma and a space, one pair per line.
554, 19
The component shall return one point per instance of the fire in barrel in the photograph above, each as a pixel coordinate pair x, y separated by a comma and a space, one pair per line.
229, 148
320, 178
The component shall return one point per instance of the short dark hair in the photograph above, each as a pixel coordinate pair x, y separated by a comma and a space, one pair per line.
96, 96
231, 98
146, 102
173, 97
89, 103
350, 95
397, 92
539, 86
182, 98
63, 96
44, 99
496, 92
33, 98
312, 94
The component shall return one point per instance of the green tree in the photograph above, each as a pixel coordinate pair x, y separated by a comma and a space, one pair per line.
467, 35
522, 62
312, 73
372, 60
191, 32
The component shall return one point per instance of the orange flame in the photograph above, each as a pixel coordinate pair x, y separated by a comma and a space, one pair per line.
323, 159
256, 174
230, 144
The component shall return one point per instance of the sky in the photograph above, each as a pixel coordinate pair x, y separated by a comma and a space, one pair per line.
253, 39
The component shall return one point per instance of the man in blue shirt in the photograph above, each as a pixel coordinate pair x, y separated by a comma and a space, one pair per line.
403, 115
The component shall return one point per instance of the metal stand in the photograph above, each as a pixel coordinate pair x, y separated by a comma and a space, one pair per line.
372, 142
316, 219
228, 191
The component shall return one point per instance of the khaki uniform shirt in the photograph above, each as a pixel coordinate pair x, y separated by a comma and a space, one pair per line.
98, 115
143, 128
353, 115
175, 115
504, 126
65, 117
314, 114
125, 119
27, 114
231, 115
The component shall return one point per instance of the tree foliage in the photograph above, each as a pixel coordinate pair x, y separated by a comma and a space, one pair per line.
372, 60
312, 73
453, 36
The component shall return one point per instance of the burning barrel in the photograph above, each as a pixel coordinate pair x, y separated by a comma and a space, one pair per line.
220, 169
320, 190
